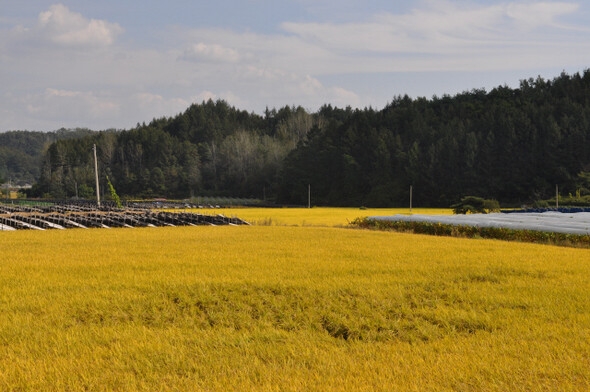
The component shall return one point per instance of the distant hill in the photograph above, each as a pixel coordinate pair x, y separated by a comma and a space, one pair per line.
511, 144
211, 148
21, 152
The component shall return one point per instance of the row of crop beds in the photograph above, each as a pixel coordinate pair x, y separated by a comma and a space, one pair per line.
83, 216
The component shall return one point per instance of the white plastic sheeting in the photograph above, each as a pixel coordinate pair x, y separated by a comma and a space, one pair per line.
558, 222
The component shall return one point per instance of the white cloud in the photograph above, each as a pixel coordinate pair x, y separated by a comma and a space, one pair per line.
68, 28
279, 87
214, 53
56, 103
228, 96
204, 96
147, 105
66, 69
61, 27
442, 27
342, 97
437, 36
533, 15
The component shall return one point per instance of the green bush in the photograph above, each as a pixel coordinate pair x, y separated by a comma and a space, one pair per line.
540, 204
86, 192
475, 205
114, 195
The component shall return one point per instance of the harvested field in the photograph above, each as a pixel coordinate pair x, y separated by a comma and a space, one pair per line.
67, 216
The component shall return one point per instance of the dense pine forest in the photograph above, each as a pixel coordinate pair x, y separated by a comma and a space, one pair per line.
510, 144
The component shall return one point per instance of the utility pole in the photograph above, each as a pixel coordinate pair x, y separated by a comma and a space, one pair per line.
410, 198
308, 195
96, 176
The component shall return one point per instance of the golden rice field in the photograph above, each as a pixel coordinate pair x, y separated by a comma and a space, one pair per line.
289, 308
323, 216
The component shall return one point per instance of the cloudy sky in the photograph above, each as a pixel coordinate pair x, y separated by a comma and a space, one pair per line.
112, 63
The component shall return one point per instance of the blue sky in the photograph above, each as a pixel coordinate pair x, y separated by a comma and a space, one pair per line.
111, 64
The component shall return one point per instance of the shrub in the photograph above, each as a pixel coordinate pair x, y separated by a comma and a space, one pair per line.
475, 205
540, 204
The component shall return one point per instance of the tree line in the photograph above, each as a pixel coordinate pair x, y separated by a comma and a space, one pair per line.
210, 149
509, 144
21, 152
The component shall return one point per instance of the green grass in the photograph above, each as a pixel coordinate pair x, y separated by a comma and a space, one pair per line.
289, 308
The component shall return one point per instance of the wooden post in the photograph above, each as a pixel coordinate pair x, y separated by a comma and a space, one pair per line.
556, 196
410, 198
308, 195
96, 175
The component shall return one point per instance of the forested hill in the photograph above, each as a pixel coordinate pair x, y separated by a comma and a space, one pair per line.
21, 152
513, 145
510, 144
211, 148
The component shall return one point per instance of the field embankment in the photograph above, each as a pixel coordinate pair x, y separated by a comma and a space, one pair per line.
289, 308
431, 226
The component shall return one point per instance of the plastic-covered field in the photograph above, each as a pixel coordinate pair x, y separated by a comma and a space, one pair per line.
557, 222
